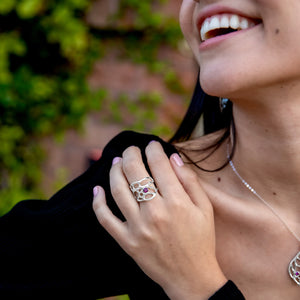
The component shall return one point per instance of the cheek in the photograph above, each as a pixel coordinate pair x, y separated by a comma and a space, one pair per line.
234, 78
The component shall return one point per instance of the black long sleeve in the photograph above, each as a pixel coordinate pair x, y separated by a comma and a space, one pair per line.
56, 249
228, 292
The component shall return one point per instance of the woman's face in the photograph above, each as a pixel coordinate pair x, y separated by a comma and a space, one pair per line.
261, 51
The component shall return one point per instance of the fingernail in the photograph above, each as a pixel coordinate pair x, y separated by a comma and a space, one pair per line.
116, 160
95, 191
177, 159
153, 141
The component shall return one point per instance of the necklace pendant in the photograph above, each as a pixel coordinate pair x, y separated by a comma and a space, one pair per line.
294, 268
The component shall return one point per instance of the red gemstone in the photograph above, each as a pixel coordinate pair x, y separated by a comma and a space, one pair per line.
145, 190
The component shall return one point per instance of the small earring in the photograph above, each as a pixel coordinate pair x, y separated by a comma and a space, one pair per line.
223, 103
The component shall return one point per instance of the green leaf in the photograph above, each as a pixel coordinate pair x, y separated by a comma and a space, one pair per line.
28, 8
6, 6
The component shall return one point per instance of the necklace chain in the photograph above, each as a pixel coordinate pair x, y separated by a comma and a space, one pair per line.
252, 190
294, 266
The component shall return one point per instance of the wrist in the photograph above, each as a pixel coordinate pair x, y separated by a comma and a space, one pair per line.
201, 289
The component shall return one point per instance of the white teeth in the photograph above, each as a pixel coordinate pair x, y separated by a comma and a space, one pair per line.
214, 23
234, 22
244, 24
204, 29
224, 21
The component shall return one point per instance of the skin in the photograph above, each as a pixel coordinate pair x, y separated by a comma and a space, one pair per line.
209, 223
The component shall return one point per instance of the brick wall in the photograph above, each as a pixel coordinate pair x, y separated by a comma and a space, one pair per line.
119, 75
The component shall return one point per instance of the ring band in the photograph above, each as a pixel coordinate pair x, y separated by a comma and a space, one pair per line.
144, 189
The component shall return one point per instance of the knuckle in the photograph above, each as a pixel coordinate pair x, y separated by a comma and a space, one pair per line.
139, 239
103, 220
131, 151
130, 166
98, 205
145, 234
117, 190
155, 153
179, 206
133, 247
101, 216
191, 177
158, 218
131, 155
155, 159
95, 205
159, 160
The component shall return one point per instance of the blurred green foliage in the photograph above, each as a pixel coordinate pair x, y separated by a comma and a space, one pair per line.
46, 53
152, 29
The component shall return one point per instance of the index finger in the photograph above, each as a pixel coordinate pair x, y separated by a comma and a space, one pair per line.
162, 171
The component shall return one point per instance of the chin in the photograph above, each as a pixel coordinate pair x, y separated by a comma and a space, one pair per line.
227, 82
218, 86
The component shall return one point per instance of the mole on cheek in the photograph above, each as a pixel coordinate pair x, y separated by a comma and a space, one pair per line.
277, 31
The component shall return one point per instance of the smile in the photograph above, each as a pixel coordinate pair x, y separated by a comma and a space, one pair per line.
222, 24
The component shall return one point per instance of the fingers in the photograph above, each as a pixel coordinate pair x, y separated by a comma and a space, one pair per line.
133, 165
190, 182
135, 170
125, 171
174, 179
120, 190
114, 226
162, 171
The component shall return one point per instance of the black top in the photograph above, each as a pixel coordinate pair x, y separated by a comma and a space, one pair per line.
56, 249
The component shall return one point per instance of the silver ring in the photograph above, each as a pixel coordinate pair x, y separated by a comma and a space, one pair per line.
144, 189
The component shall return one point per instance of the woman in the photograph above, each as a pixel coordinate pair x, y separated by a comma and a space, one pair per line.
240, 222
199, 231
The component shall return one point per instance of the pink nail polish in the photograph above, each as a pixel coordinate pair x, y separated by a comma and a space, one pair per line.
116, 160
96, 191
177, 160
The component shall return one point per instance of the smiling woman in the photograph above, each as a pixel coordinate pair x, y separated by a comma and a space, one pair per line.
222, 221
240, 59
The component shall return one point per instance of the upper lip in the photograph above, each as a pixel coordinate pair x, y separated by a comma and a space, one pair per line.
216, 10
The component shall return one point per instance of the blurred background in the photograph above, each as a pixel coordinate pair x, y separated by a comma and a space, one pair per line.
74, 73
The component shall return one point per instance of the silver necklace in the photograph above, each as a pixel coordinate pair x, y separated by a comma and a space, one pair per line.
294, 266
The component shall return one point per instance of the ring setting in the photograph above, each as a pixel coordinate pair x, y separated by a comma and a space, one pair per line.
144, 189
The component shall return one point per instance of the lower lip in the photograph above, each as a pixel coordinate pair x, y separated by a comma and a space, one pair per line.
212, 42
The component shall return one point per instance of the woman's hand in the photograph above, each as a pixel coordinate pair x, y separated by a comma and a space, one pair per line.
172, 236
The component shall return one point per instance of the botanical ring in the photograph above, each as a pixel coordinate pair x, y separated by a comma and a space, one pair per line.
144, 189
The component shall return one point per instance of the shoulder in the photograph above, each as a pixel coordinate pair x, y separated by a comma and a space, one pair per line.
128, 138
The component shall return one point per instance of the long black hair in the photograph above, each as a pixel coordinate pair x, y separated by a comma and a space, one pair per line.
214, 119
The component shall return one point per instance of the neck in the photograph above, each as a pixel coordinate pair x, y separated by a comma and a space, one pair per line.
268, 149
